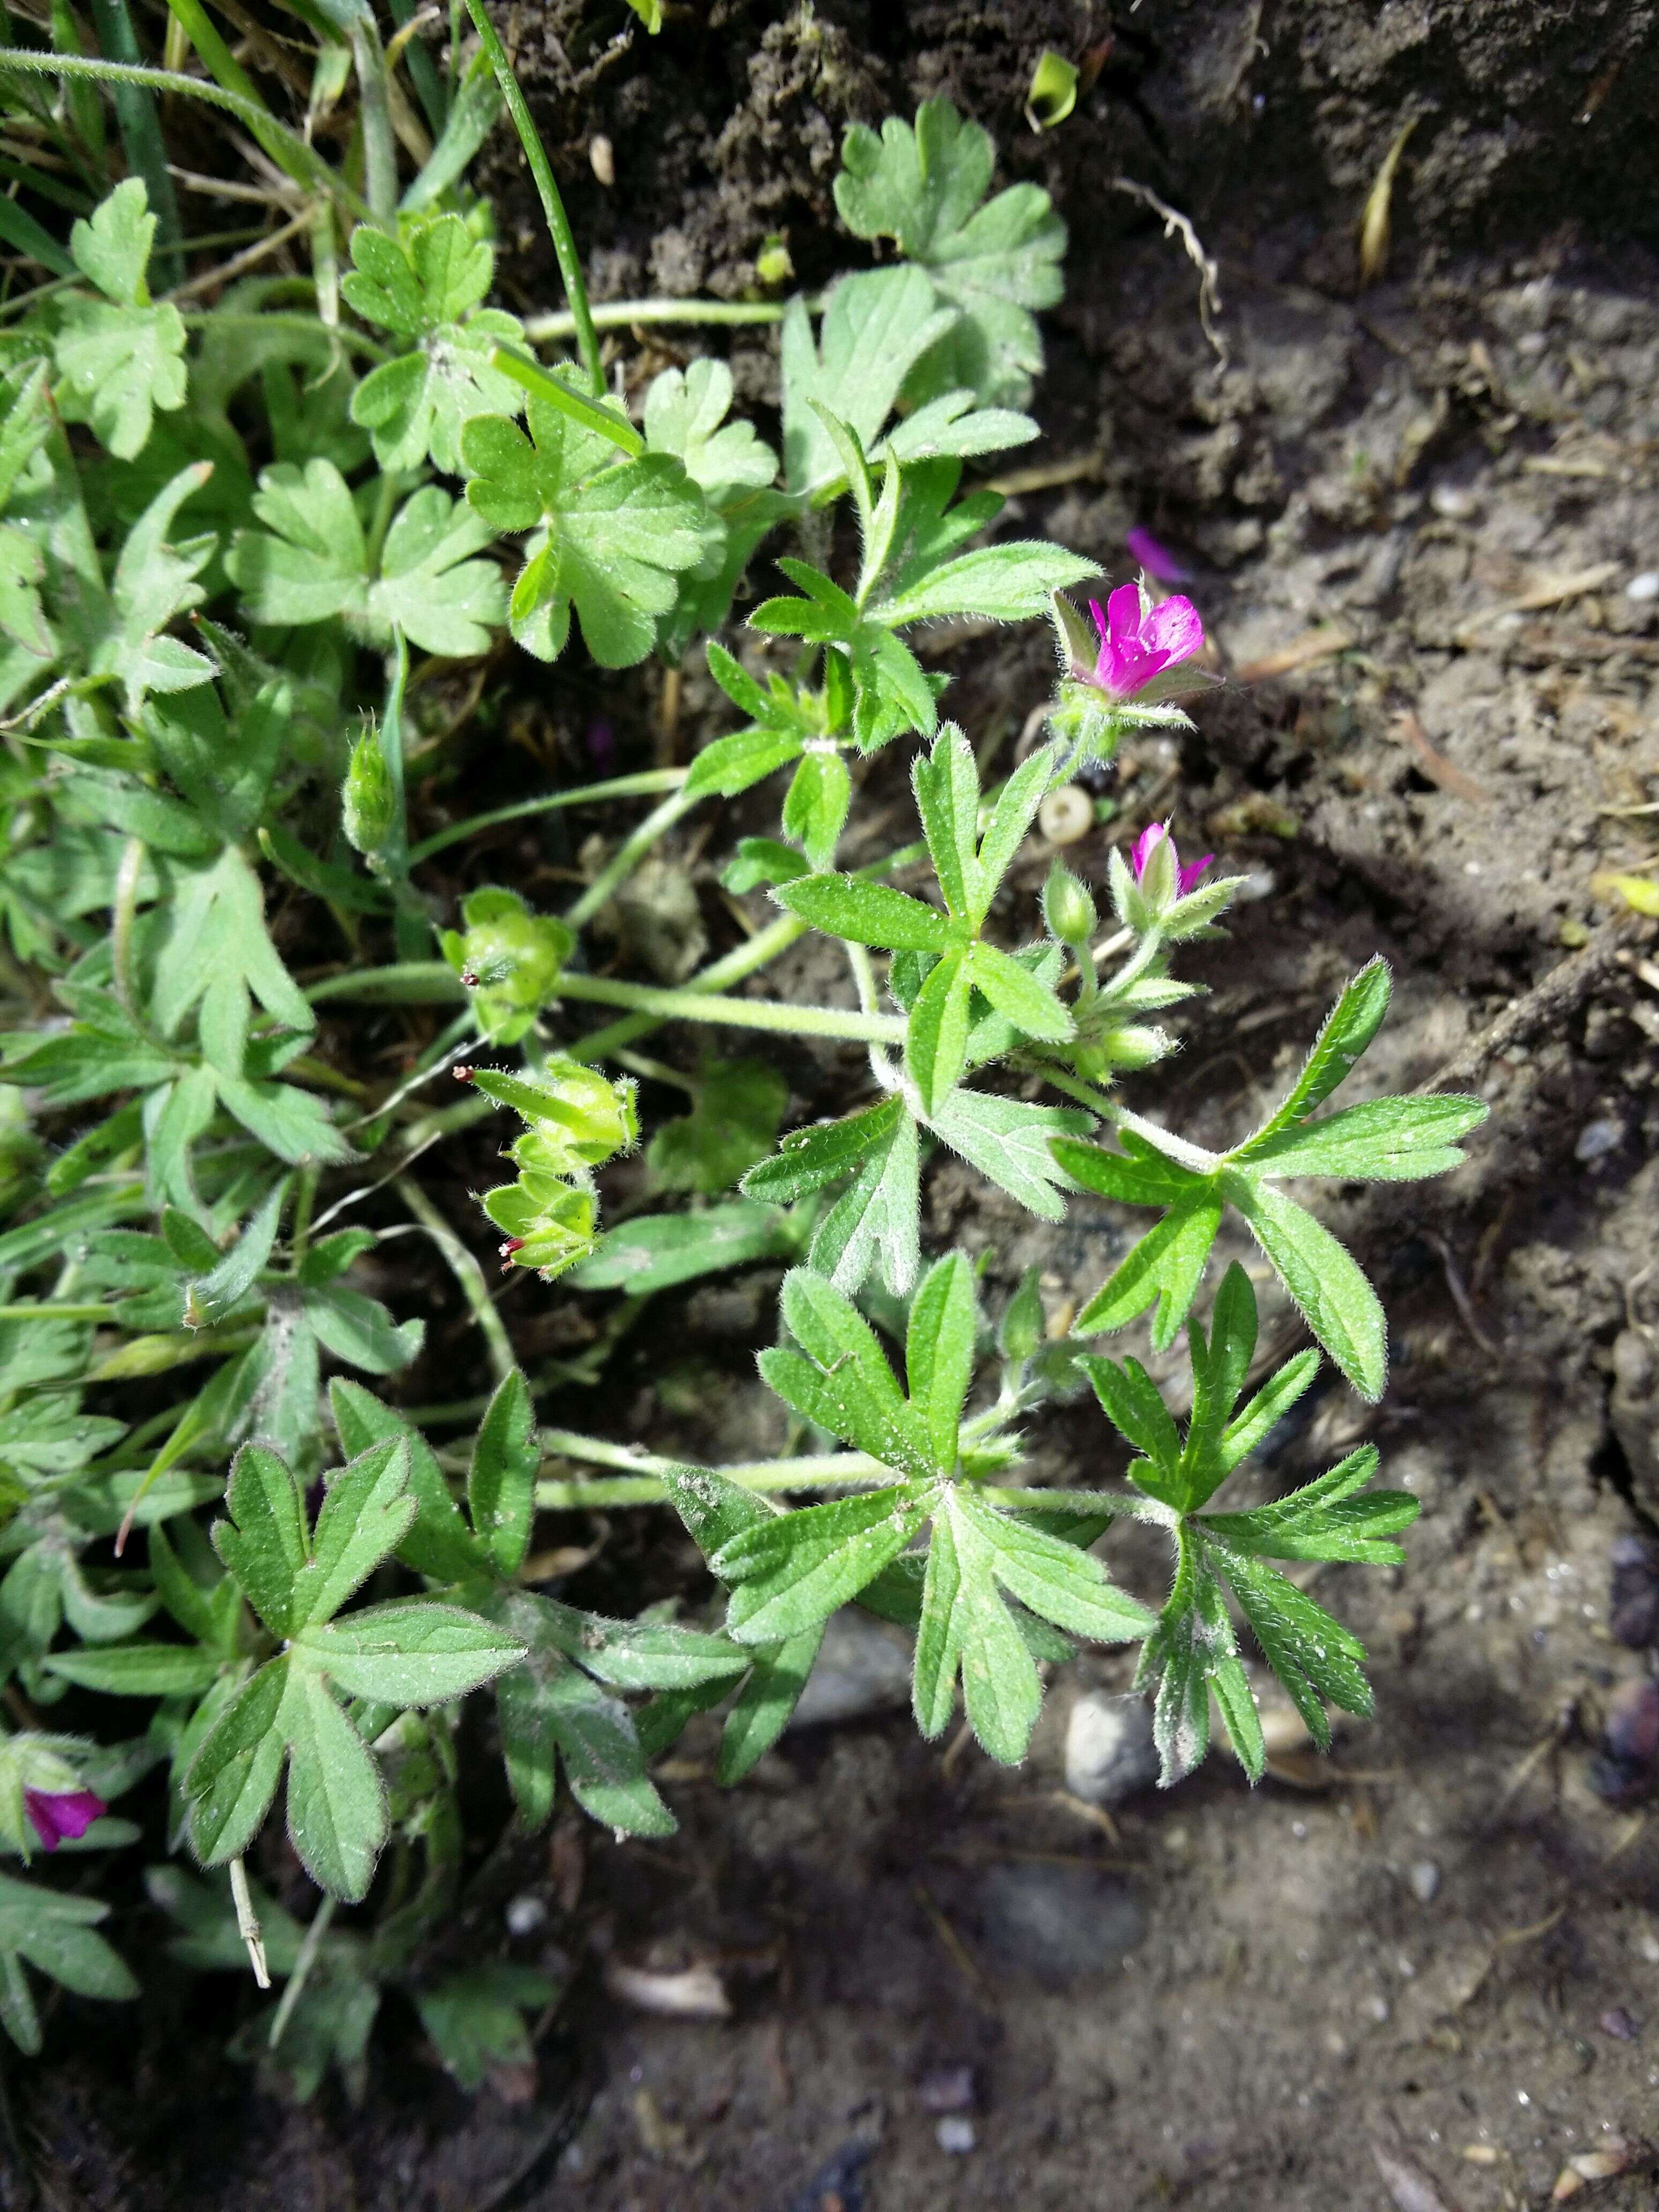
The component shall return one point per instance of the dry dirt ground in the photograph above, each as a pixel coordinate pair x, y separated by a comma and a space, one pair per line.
1419, 518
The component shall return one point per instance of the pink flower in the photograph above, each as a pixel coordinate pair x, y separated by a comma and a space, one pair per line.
61, 1815
1138, 642
1186, 879
1154, 557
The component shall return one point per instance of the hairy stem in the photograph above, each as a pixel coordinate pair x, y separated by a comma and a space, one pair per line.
622, 314
558, 223
647, 784
628, 854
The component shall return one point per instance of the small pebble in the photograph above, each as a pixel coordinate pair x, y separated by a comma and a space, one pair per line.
1633, 1607
1643, 588
947, 2089
1626, 1771
955, 2135
1109, 1751
1453, 502
1425, 1880
602, 159
1619, 2024
1067, 814
863, 1668
525, 1915
1058, 1924
1597, 1138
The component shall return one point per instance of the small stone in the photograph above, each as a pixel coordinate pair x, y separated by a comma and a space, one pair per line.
1597, 1138
602, 158
1619, 2024
1424, 1881
946, 2089
1453, 502
1058, 1921
525, 1914
1630, 1762
1067, 814
955, 2134
1109, 1751
862, 1668
1643, 588
1633, 1614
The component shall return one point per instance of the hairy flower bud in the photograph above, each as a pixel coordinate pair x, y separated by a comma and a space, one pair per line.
368, 810
1067, 908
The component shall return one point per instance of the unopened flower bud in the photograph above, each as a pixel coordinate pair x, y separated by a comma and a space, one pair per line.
1067, 908
368, 810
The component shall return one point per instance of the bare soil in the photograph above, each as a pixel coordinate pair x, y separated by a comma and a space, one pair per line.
1426, 1975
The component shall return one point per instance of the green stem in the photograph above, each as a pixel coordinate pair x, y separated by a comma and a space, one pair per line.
316, 171
643, 1486
630, 854
396, 854
28, 1312
305, 1199
721, 975
304, 1961
769, 1014
272, 321
467, 1273
646, 784
622, 314
558, 223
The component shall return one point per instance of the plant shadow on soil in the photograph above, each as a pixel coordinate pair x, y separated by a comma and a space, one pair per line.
1249, 1991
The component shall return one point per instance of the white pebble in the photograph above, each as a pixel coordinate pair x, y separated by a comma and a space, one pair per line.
1425, 1880
1597, 1138
1643, 587
955, 2133
525, 1915
1453, 502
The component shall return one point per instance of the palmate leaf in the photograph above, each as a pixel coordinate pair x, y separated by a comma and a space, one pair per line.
1193, 1652
57, 1934
996, 261
119, 358
428, 285
612, 536
413, 1652
1385, 1140
311, 564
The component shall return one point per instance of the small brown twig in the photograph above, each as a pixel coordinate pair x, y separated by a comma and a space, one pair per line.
1548, 1002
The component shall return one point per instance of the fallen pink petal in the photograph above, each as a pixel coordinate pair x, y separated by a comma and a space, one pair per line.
1155, 557
61, 1815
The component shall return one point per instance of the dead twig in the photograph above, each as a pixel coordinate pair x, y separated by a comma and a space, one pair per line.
1177, 225
1547, 1004
1435, 765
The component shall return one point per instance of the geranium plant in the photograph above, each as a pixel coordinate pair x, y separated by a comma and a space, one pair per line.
231, 532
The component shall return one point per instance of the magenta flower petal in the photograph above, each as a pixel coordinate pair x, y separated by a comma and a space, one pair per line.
61, 1815
1145, 846
1174, 629
1188, 879
1154, 557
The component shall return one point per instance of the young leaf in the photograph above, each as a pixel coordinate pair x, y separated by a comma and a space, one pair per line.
119, 357
877, 1218
1012, 1143
501, 1487
938, 1352
793, 1571
1341, 1307
936, 1038
412, 1651
868, 913
336, 1809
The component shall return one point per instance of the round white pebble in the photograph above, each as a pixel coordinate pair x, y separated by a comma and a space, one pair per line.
955, 2133
525, 1915
1643, 587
